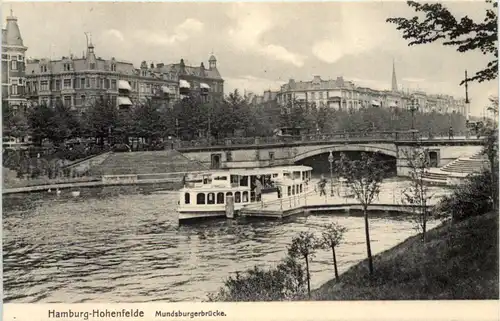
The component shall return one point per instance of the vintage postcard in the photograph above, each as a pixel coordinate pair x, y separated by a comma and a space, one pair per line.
250, 160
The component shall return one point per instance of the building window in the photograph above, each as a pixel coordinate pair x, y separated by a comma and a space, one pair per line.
43, 68
92, 65
113, 84
98, 83
5, 57
14, 65
13, 87
92, 82
67, 101
320, 95
143, 73
67, 83
113, 100
113, 67
106, 83
67, 67
271, 156
87, 82
245, 197
187, 198
237, 197
82, 97
58, 85
44, 85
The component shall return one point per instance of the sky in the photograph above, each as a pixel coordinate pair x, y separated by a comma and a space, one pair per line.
260, 46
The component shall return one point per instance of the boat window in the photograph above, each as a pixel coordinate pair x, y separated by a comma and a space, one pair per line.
289, 190
211, 198
237, 197
229, 194
286, 175
187, 198
207, 180
275, 175
220, 198
220, 178
301, 188
243, 180
245, 197
293, 190
235, 181
296, 175
200, 198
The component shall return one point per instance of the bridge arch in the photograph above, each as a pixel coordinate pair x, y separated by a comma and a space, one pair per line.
392, 152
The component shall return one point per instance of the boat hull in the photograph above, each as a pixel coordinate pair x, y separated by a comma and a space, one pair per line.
190, 216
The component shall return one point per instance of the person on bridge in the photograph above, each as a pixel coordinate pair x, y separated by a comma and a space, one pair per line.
321, 185
450, 133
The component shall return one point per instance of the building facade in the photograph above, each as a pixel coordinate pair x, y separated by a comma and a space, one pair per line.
13, 64
345, 95
79, 81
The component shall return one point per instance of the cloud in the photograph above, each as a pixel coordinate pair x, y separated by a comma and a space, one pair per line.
350, 34
113, 33
190, 27
252, 22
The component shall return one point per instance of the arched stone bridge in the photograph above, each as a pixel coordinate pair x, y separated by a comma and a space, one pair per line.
264, 154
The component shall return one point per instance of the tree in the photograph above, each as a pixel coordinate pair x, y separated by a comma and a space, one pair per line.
363, 178
64, 122
490, 149
304, 245
330, 238
101, 119
464, 33
40, 120
417, 194
14, 122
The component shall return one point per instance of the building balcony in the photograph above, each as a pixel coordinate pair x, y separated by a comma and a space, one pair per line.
67, 91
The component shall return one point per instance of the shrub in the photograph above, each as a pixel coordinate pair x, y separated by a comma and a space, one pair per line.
283, 282
472, 198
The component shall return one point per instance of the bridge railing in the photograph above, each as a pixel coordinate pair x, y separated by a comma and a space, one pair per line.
389, 136
336, 136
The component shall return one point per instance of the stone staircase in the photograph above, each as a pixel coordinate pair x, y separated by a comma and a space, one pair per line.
152, 162
473, 164
459, 168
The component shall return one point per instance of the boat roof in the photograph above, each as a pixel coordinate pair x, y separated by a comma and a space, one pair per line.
257, 171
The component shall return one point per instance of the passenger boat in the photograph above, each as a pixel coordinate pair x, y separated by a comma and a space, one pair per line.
224, 192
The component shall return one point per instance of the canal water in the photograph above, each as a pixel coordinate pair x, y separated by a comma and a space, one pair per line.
125, 245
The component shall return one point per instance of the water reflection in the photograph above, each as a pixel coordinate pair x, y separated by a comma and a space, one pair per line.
114, 245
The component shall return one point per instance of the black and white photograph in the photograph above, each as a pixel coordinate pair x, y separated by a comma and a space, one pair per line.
171, 152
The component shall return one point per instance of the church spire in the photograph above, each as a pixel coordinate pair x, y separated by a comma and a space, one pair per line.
394, 79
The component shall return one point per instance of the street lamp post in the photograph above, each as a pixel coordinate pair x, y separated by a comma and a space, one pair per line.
330, 160
413, 109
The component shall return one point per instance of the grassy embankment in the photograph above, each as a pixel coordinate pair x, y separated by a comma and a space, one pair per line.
458, 261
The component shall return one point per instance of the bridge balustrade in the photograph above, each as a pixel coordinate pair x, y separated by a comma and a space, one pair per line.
389, 136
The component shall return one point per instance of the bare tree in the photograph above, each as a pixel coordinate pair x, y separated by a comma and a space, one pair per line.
304, 245
416, 195
331, 238
363, 178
